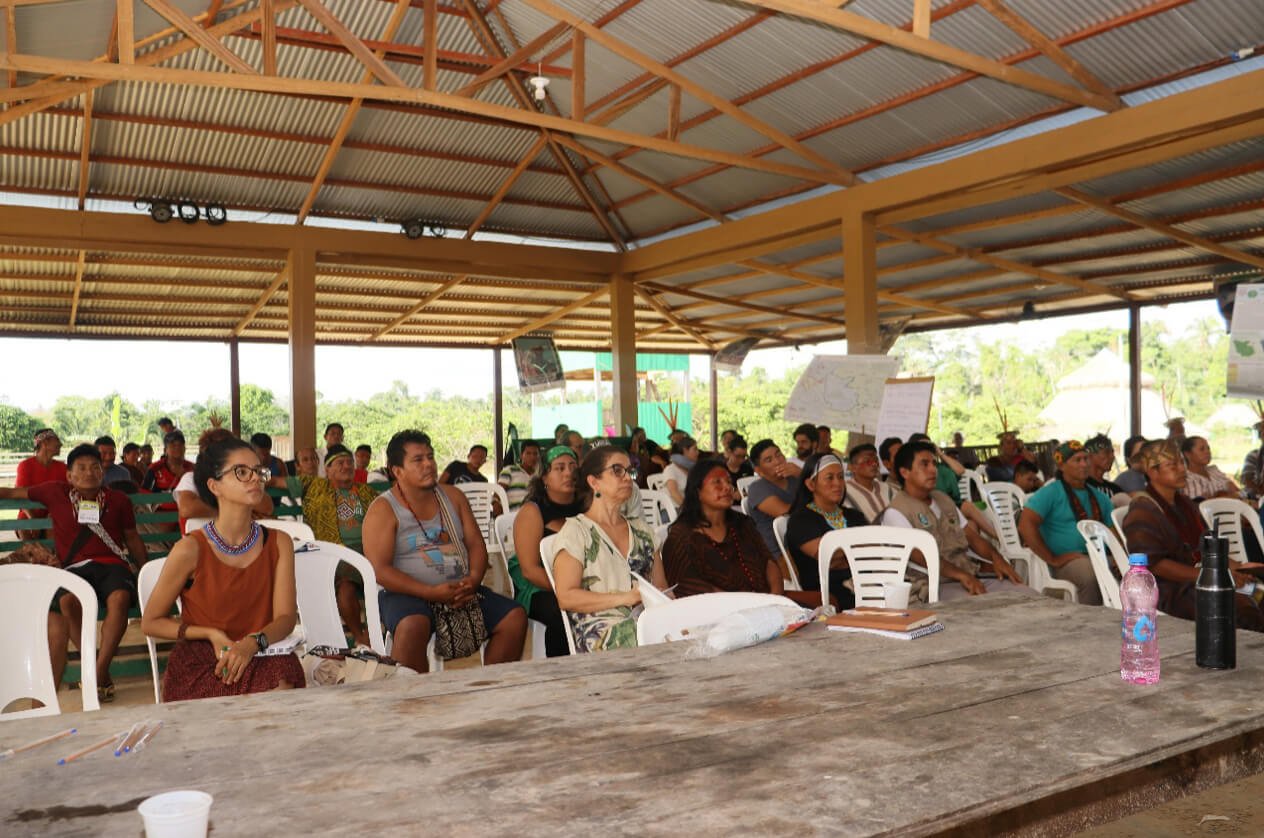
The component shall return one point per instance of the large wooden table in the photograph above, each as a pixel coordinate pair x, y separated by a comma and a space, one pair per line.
1014, 718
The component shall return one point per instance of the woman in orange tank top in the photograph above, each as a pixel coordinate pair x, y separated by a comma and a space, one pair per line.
235, 581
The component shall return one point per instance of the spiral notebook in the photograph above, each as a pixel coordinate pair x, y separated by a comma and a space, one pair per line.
933, 628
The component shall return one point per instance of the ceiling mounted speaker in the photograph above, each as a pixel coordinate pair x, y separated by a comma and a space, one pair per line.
414, 229
161, 212
215, 214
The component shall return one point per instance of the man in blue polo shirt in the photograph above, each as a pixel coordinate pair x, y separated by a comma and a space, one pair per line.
1048, 522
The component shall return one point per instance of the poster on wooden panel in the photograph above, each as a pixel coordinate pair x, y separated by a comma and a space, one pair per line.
538, 364
1244, 377
905, 407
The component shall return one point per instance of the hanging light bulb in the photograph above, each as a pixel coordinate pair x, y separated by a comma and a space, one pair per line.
538, 83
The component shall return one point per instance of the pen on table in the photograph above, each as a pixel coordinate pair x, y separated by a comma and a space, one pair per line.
67, 732
149, 734
96, 747
129, 740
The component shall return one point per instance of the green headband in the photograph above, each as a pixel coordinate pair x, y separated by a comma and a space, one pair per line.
555, 452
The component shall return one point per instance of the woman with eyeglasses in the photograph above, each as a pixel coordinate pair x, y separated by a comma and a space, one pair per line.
550, 501
598, 550
235, 582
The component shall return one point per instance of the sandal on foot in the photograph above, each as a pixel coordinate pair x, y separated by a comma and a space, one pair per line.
105, 694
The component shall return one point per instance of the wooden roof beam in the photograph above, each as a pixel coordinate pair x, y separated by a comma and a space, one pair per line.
552, 317
681, 323
354, 45
264, 298
514, 59
1029, 33
78, 289
201, 36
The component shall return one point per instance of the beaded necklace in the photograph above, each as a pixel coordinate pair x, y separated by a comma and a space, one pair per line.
217, 540
835, 519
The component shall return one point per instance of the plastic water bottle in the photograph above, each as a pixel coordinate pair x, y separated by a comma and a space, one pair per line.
1139, 595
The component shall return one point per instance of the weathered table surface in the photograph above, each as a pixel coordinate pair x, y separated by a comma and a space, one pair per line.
1014, 718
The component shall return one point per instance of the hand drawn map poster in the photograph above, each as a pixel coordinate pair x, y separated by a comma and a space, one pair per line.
842, 391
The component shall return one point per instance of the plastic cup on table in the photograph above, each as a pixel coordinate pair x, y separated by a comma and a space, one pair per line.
177, 814
896, 594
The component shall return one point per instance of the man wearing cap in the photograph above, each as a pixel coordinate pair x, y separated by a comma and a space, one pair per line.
334, 507
1101, 459
1048, 522
94, 530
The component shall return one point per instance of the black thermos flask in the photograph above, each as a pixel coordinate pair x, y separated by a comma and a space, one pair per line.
1215, 644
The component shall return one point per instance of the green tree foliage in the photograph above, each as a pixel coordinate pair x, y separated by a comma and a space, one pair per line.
17, 428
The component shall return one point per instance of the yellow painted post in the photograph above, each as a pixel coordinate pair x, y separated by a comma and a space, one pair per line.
623, 353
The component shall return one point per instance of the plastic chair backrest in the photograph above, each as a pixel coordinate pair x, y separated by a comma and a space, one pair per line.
687, 617
657, 507
743, 484
878, 555
1226, 514
318, 599
779, 525
191, 524
26, 668
480, 497
296, 529
502, 535
746, 506
970, 484
145, 583
1103, 547
1117, 516
548, 552
1003, 499
655, 482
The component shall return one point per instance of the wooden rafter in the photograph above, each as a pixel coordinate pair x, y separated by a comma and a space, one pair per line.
724, 301
85, 148
353, 44
661, 70
514, 59
422, 303
80, 265
264, 299
689, 328
579, 75
921, 18
124, 24
551, 317
1001, 10
200, 35
1196, 241
11, 41
348, 117
269, 37
430, 42
212, 11
936, 51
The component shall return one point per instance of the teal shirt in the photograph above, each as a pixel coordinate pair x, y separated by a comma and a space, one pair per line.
1057, 527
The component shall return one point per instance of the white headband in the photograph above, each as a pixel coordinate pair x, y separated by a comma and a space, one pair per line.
821, 464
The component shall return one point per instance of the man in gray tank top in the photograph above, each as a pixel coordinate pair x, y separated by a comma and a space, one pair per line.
427, 550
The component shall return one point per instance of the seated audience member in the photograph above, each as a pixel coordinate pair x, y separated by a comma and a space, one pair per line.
1027, 477
684, 453
40, 467
1165, 524
430, 556
805, 439
145, 459
866, 493
307, 462
960, 453
363, 456
516, 477
458, 472
560, 432
189, 502
947, 474
334, 507
921, 506
1047, 523
1131, 477
164, 475
113, 472
886, 456
165, 426
598, 550
1202, 479
1012, 451
773, 493
333, 436
1176, 428
549, 502
131, 462
262, 443
1253, 467
735, 459
646, 457
818, 509
1101, 459
235, 582
710, 547
825, 441
575, 441
94, 530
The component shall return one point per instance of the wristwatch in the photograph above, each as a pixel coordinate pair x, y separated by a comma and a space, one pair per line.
262, 640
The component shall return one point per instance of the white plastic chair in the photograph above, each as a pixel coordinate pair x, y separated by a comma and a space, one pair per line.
1003, 499
779, 525
743, 484
503, 530
655, 482
480, 496
878, 555
548, 552
1225, 515
1117, 516
318, 597
26, 668
1103, 548
687, 617
972, 479
657, 505
145, 583
297, 530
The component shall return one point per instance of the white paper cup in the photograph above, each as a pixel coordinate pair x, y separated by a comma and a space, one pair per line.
177, 814
896, 594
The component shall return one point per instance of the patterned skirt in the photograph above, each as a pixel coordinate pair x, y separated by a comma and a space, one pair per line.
191, 673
